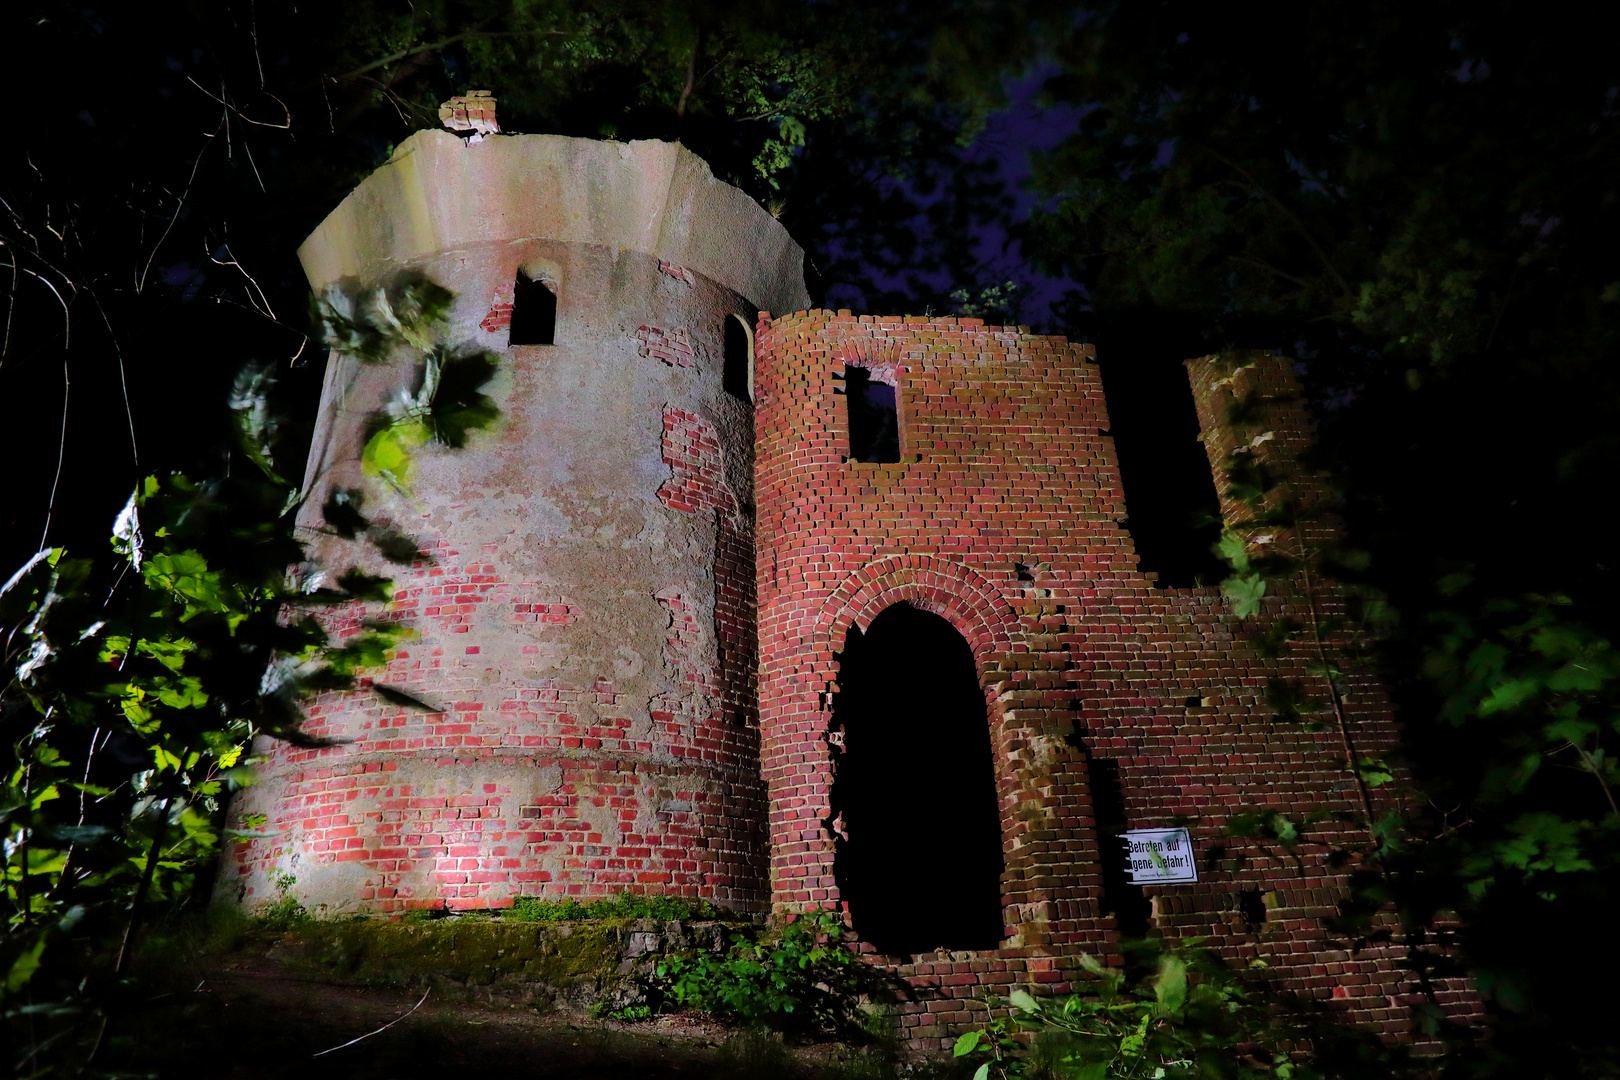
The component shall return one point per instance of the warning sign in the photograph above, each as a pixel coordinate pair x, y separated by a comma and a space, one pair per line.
1160, 856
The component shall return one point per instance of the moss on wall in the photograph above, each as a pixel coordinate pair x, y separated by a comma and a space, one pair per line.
567, 965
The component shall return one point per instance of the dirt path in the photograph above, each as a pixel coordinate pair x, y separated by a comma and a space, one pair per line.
256, 1017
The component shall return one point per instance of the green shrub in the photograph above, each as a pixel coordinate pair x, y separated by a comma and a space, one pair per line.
1188, 1017
797, 975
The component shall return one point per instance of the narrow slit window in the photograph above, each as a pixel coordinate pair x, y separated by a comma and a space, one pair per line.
738, 375
874, 420
534, 312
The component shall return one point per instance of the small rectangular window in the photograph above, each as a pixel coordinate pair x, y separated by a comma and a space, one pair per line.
874, 420
534, 313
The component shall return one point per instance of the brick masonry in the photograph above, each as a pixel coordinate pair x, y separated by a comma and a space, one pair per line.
1006, 467
673, 347
499, 318
637, 588
583, 624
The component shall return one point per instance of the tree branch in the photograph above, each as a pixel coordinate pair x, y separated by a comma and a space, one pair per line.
1299, 226
436, 46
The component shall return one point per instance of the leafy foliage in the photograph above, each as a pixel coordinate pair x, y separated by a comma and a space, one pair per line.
134, 686
798, 976
1189, 1016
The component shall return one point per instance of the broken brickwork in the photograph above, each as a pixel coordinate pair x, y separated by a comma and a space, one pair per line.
473, 111
1003, 515
637, 586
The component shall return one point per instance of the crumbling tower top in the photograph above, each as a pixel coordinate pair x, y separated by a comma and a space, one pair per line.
439, 193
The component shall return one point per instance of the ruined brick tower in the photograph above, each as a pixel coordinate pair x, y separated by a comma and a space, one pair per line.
586, 624
668, 591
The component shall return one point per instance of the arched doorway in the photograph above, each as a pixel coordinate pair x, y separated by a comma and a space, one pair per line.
918, 858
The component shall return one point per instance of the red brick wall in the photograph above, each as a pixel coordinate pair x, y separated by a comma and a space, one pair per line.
1004, 461
590, 816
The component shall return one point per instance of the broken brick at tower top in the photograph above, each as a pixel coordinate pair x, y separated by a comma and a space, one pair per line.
644, 580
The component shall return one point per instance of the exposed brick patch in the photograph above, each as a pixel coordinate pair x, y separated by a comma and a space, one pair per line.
692, 451
558, 614
500, 313
734, 615
684, 641
679, 273
697, 485
673, 347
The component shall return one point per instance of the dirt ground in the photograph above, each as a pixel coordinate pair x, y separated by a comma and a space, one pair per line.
255, 1015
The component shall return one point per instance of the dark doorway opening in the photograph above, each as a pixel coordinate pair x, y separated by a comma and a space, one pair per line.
534, 313
735, 377
920, 858
1169, 490
874, 419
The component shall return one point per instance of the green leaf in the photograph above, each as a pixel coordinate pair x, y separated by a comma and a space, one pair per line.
983, 1072
1373, 772
968, 1043
1233, 550
1245, 593
1507, 696
27, 962
390, 450
1024, 1002
1170, 985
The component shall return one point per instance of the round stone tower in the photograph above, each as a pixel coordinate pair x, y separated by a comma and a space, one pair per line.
585, 621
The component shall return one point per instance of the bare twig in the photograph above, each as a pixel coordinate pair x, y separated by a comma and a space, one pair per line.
262, 304
139, 903
67, 321
380, 1030
224, 121
283, 126
11, 305
123, 379
61, 454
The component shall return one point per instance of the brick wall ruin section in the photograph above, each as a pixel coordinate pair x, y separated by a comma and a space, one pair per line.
1276, 433
1005, 468
697, 484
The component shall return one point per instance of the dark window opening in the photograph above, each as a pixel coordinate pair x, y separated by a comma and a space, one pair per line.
1251, 905
534, 313
735, 377
919, 858
1169, 491
874, 422
1120, 897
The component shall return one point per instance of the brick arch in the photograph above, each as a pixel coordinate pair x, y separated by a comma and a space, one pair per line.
957, 593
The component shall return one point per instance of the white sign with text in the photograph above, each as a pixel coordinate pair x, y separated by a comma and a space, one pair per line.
1160, 856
